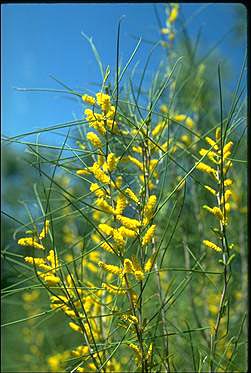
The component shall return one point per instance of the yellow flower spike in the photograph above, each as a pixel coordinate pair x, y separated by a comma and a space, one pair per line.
137, 149
97, 190
227, 207
148, 265
104, 206
70, 312
128, 266
149, 208
111, 162
125, 232
129, 223
153, 165
38, 262
216, 211
118, 238
132, 195
52, 258
226, 155
149, 352
105, 228
165, 31
139, 275
227, 148
45, 230
96, 121
80, 351
211, 142
107, 247
130, 318
75, 327
31, 242
227, 195
135, 349
212, 156
136, 162
185, 139
158, 128
120, 204
99, 174
173, 13
103, 101
164, 108
118, 182
110, 268
50, 280
88, 99
83, 172
94, 139
189, 122
112, 289
211, 190
149, 235
179, 117
211, 245
207, 169
218, 134
91, 267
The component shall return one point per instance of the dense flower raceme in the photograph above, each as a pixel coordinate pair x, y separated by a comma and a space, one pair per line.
220, 189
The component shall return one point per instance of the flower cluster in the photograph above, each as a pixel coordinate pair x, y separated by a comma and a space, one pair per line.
172, 12
218, 168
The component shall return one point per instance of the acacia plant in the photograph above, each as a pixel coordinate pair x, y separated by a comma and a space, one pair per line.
135, 248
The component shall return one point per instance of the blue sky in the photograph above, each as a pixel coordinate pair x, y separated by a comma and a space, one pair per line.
43, 39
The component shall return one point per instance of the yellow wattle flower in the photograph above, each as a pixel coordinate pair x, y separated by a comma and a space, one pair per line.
211, 190
158, 128
31, 242
212, 245
139, 275
149, 235
97, 190
207, 169
99, 174
114, 289
45, 230
211, 142
104, 101
136, 162
129, 223
128, 266
132, 195
83, 172
105, 228
75, 327
173, 13
120, 204
94, 139
88, 99
110, 268
118, 238
111, 162
127, 232
227, 148
148, 265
